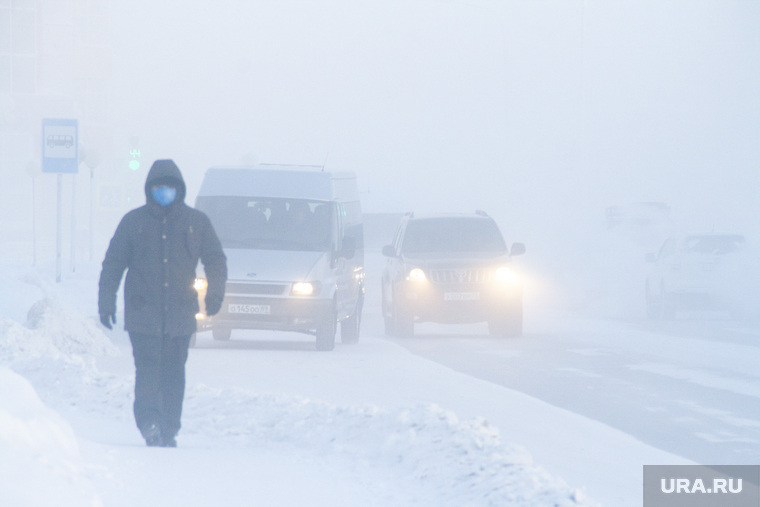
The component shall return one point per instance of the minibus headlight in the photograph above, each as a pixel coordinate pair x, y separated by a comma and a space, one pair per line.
305, 289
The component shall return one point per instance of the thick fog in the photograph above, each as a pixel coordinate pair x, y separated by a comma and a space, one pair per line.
541, 113
536, 110
590, 130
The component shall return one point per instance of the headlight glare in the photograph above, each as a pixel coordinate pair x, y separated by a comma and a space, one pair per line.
505, 275
303, 289
200, 284
416, 275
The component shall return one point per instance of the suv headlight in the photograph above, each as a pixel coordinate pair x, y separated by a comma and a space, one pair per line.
506, 276
416, 275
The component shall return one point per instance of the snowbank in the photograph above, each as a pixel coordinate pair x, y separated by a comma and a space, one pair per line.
40, 462
424, 447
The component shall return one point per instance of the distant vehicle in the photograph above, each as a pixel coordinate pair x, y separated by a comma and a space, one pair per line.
637, 214
295, 251
694, 272
645, 223
453, 268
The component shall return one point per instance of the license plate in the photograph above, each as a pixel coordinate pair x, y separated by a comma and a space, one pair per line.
250, 309
461, 296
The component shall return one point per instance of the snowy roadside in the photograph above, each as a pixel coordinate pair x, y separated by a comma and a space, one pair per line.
275, 424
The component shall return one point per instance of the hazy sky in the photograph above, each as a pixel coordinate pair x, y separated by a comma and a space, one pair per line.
537, 111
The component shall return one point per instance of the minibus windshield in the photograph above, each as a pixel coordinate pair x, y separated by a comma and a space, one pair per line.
269, 223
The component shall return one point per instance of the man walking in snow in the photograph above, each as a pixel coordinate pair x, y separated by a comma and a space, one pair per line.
159, 244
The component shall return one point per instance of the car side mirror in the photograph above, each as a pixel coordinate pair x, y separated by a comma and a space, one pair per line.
517, 249
650, 257
389, 251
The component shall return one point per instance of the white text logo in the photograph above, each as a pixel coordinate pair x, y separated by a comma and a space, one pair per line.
719, 485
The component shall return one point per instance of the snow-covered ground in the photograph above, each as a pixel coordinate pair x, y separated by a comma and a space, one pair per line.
269, 420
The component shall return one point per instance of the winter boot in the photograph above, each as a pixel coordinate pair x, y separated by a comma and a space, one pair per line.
168, 438
152, 435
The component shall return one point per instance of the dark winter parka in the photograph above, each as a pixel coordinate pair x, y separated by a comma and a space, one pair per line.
160, 247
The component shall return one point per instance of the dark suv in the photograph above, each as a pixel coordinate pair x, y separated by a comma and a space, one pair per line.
453, 268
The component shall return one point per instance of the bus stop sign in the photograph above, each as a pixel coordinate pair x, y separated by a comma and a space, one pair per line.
60, 141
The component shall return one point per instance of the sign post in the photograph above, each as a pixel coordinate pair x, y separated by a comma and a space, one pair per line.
60, 154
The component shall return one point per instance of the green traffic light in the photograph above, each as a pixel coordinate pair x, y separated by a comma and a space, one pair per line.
134, 153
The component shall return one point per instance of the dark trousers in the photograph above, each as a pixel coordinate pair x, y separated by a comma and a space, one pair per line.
159, 380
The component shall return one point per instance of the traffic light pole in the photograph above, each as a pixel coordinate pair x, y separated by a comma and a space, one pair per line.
58, 229
92, 178
73, 223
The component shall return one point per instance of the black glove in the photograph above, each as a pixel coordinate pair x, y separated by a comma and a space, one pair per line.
107, 318
213, 305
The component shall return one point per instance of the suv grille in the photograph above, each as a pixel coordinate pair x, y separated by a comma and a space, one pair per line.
459, 275
256, 288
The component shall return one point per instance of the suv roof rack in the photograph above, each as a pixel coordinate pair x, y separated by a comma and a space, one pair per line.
481, 213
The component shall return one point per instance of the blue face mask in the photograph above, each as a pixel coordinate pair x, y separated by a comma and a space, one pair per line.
164, 195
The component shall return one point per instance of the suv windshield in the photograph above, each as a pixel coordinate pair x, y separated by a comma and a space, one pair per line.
716, 245
452, 234
269, 223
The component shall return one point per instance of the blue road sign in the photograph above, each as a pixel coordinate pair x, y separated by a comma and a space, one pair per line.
60, 141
